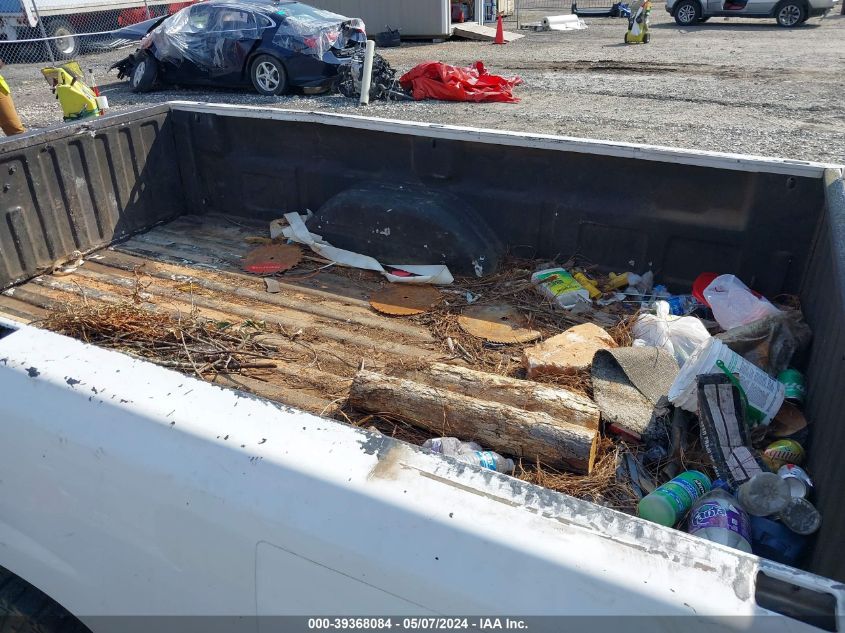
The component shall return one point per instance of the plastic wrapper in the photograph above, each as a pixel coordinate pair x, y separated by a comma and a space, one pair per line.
680, 336
435, 80
734, 304
314, 32
770, 343
724, 433
199, 34
204, 34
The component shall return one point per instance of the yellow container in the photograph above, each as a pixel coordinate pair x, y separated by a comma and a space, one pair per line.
77, 100
588, 284
616, 281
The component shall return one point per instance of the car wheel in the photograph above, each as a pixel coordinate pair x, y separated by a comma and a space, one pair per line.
646, 38
25, 608
790, 14
268, 76
687, 12
67, 45
144, 74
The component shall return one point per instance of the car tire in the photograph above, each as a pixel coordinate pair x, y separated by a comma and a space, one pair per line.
144, 74
646, 38
69, 45
268, 76
790, 14
26, 609
687, 12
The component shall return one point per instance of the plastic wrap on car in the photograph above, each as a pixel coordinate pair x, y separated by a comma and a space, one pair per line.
314, 34
176, 39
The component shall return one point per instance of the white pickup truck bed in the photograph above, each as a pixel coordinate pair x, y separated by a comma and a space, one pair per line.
128, 488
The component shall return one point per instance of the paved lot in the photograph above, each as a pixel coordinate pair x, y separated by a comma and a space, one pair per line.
732, 85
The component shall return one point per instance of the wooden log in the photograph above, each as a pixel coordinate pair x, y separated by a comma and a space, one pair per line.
503, 428
560, 404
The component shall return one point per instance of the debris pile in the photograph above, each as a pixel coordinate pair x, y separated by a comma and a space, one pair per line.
689, 391
184, 342
686, 409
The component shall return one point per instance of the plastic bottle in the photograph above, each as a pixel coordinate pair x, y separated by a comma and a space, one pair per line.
668, 504
559, 286
764, 494
734, 304
718, 517
764, 393
682, 305
470, 453
801, 516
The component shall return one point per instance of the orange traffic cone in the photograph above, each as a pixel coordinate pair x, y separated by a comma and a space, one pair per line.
500, 31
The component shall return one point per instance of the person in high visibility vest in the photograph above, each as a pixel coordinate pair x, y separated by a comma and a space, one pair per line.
10, 122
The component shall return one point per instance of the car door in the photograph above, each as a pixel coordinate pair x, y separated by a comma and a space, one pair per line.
235, 32
185, 46
744, 7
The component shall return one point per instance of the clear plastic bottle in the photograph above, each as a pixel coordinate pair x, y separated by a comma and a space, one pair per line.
801, 516
668, 504
718, 517
764, 494
470, 453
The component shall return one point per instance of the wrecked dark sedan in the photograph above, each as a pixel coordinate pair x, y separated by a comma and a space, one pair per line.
270, 46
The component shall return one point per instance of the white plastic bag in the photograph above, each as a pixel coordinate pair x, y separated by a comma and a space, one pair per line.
679, 336
733, 304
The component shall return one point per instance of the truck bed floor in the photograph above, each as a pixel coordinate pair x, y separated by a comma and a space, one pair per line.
193, 263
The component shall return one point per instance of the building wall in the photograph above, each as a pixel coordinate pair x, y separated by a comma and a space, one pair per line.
415, 18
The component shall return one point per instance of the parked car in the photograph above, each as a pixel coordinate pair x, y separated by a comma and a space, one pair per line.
788, 13
268, 45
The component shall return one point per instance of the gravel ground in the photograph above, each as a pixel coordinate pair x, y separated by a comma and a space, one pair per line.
729, 85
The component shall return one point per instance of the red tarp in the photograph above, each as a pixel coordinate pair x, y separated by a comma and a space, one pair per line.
435, 80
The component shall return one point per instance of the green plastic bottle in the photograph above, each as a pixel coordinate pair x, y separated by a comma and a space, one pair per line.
668, 504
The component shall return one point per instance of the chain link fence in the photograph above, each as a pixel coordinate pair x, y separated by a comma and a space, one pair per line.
53, 31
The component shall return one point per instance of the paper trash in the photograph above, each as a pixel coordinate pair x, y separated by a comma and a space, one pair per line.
298, 232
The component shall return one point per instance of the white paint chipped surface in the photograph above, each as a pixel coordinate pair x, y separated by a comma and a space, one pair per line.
131, 488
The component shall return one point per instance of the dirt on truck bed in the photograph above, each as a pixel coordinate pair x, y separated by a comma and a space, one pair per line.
177, 295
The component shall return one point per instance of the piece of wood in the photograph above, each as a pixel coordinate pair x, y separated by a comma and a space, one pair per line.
503, 428
560, 404
473, 31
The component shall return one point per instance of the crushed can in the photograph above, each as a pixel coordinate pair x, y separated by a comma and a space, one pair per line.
783, 452
799, 482
793, 382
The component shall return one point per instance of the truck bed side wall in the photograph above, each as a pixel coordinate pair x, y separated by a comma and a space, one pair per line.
620, 213
73, 189
823, 302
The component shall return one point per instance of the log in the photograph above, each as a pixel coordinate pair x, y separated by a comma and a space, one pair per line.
561, 404
531, 435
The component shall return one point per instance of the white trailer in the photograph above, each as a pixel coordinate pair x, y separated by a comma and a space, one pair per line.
66, 22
